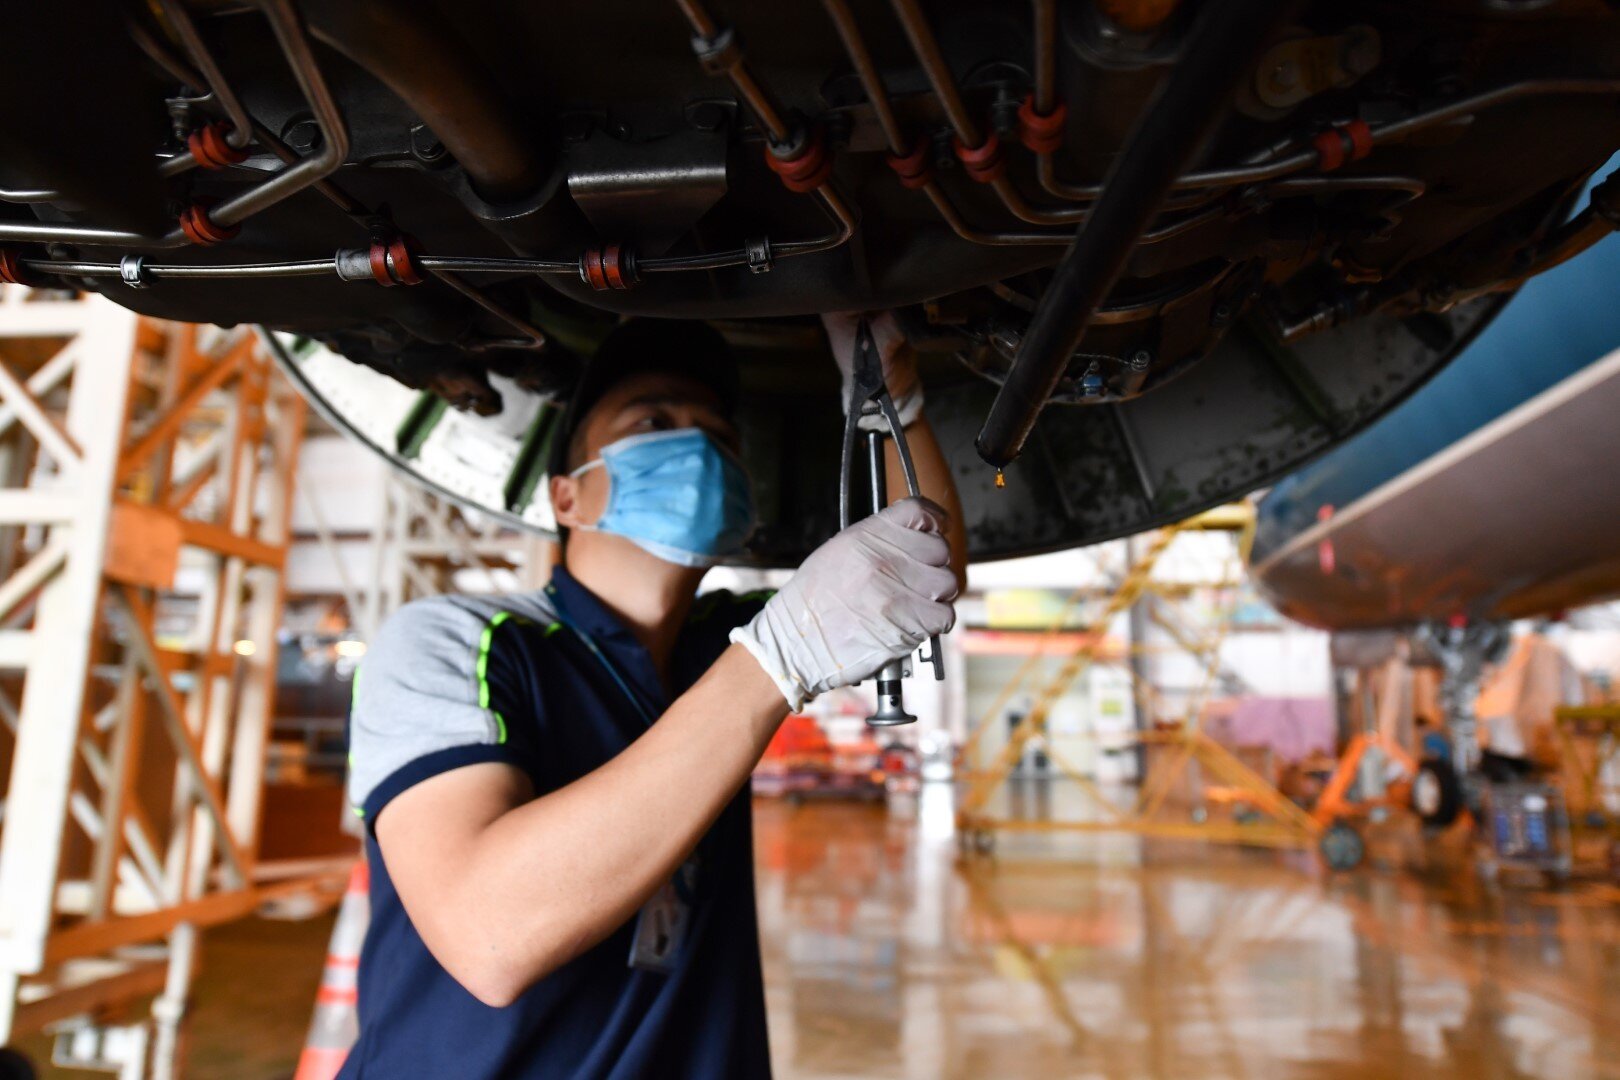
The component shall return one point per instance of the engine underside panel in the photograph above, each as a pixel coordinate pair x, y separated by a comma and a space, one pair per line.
465, 197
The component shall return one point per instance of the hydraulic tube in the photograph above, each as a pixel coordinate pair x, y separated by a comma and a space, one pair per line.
1223, 47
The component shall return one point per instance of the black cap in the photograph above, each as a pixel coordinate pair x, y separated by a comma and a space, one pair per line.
682, 347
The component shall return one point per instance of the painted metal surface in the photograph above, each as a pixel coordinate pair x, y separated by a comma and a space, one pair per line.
1491, 493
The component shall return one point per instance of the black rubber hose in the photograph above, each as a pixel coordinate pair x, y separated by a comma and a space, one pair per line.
1221, 50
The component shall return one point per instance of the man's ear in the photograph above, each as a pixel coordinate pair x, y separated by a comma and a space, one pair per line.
565, 501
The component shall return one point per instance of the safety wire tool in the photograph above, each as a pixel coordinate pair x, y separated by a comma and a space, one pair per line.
869, 396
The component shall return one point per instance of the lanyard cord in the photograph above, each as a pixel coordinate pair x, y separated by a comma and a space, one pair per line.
612, 669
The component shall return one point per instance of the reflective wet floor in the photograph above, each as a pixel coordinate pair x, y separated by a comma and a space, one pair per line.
1101, 956
888, 956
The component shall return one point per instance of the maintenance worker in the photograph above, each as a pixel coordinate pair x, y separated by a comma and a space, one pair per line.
554, 783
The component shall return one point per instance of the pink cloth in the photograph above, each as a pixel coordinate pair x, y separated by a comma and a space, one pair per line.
1293, 727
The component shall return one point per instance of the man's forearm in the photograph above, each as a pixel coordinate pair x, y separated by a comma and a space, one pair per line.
546, 880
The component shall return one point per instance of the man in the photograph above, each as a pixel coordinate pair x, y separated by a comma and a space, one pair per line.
554, 783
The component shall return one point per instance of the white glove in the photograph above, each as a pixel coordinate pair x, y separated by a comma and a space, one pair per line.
899, 362
870, 595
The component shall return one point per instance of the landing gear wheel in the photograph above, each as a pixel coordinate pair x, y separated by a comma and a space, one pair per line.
14, 1065
1342, 847
1437, 794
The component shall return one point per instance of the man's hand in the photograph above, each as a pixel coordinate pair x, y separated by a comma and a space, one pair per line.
899, 362
870, 595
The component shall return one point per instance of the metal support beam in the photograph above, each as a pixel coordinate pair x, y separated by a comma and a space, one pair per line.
135, 449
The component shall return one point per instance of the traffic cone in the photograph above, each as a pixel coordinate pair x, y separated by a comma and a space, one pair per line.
337, 1021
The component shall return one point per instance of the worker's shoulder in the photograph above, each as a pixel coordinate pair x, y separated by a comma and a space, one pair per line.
728, 609
452, 628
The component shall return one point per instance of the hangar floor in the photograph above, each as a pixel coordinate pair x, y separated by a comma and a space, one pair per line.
883, 958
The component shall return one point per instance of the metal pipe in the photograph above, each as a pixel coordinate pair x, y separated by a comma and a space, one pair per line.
441, 265
759, 101
173, 165
44, 232
843, 219
479, 265
178, 70
334, 148
938, 72
877, 94
866, 71
1272, 168
180, 21
1224, 45
1501, 95
1306, 185
28, 196
533, 336
181, 271
284, 21
1045, 20
977, 236
1023, 210
777, 130
923, 43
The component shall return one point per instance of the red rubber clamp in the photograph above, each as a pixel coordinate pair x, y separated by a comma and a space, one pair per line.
610, 267
913, 169
1041, 134
201, 229
983, 162
11, 269
807, 171
1347, 142
391, 261
210, 149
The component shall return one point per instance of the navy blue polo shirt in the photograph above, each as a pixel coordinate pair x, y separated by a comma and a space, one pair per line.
457, 680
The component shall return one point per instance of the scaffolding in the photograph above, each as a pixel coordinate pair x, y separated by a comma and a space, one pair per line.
146, 472
427, 545
1180, 754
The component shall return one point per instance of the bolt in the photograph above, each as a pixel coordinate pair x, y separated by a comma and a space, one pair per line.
838, 127
576, 127
1361, 52
1140, 359
1004, 113
706, 116
425, 146
180, 120
1285, 75
1220, 314
303, 135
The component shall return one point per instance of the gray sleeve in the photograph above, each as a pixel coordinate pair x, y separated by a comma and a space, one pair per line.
421, 705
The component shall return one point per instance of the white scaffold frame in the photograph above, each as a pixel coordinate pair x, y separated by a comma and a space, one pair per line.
143, 465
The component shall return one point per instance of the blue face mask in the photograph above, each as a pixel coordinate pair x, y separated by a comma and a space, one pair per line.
677, 494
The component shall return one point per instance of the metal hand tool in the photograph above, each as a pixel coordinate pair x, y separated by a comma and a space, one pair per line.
869, 396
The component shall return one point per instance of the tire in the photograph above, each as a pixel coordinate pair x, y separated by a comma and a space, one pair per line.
1342, 847
1437, 794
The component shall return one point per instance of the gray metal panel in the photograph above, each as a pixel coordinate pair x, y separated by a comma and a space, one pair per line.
1520, 518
